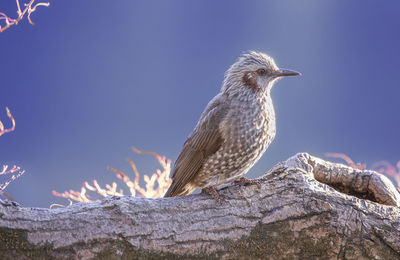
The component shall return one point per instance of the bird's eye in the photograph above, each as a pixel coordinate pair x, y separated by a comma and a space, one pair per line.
261, 71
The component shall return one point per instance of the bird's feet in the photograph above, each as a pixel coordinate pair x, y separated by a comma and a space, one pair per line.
244, 181
212, 191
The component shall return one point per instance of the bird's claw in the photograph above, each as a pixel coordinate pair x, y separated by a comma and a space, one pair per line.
214, 194
244, 181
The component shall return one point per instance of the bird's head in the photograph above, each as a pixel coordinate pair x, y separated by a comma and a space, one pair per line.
255, 72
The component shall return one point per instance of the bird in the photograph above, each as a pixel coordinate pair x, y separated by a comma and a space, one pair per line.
234, 130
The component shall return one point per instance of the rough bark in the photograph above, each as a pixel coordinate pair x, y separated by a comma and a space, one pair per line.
291, 214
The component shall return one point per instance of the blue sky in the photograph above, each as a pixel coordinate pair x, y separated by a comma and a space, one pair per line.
93, 78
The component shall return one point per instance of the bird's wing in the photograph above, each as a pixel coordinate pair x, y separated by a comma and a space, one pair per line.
204, 141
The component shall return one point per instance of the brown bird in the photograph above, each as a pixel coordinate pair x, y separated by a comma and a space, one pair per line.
234, 130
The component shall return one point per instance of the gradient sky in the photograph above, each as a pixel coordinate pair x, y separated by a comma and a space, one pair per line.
93, 78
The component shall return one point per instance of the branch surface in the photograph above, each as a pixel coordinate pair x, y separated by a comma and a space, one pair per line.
303, 208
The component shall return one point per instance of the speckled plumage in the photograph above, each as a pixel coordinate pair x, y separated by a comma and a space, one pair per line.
234, 130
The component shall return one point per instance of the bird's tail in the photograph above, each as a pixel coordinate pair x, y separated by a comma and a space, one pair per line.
169, 193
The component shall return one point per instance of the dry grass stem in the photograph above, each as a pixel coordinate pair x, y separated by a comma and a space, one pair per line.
155, 187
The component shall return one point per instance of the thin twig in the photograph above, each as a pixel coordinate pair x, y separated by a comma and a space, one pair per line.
2, 129
21, 13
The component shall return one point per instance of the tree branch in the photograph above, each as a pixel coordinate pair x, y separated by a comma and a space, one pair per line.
291, 214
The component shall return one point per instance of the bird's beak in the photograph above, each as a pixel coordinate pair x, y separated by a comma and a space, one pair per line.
285, 72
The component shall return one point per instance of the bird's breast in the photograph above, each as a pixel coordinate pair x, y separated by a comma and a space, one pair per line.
247, 131
251, 123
